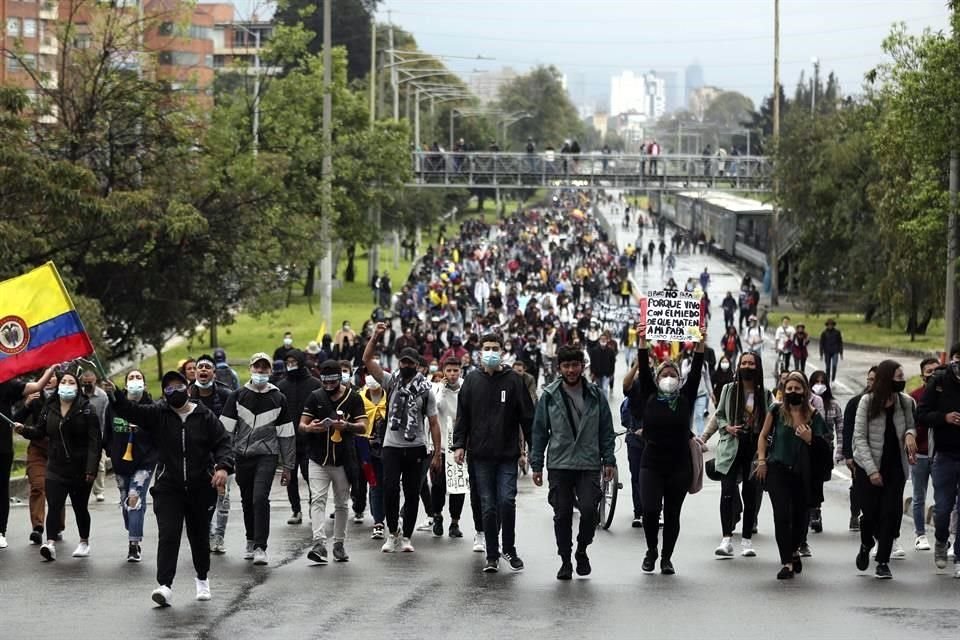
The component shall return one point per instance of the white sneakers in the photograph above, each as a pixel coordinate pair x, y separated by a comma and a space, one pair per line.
746, 549
3, 541
725, 549
48, 551
956, 571
479, 543
426, 525
82, 550
203, 589
922, 544
260, 557
249, 553
392, 544
406, 546
163, 596
898, 551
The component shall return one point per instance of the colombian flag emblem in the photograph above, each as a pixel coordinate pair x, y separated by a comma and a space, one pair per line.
38, 323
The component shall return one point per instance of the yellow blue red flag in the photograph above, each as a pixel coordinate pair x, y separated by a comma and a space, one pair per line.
38, 323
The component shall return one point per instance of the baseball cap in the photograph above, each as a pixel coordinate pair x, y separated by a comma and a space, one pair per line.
172, 376
313, 348
257, 357
410, 354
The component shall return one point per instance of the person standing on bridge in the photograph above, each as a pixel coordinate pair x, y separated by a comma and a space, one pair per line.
574, 422
666, 465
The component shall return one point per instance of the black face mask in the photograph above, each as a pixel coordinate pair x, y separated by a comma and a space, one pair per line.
407, 372
177, 399
748, 375
88, 389
794, 399
899, 386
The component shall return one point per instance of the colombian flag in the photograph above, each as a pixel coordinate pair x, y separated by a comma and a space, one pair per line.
38, 324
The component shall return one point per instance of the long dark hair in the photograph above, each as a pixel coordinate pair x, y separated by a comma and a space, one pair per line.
882, 387
759, 394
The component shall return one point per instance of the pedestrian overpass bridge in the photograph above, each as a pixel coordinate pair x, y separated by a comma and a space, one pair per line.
666, 172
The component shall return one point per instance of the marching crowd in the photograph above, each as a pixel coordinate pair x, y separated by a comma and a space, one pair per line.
495, 358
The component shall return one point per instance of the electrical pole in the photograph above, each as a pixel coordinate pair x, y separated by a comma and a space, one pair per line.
326, 261
952, 322
373, 214
394, 83
774, 259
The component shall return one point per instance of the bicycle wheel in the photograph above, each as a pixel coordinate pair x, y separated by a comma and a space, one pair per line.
602, 503
609, 500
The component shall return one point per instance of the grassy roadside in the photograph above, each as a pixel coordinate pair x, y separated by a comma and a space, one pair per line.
856, 331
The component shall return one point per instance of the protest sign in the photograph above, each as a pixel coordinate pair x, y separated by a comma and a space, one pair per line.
675, 316
457, 482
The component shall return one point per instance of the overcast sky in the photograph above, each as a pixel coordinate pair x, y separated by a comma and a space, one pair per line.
592, 40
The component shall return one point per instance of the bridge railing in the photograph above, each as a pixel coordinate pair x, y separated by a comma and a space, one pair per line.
666, 171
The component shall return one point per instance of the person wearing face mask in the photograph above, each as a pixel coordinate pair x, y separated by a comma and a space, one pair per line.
71, 425
224, 372
330, 418
258, 419
741, 412
723, 376
11, 393
375, 406
833, 415
920, 471
410, 401
280, 353
213, 394
134, 457
296, 386
194, 459
784, 466
666, 469
884, 445
31, 414
846, 445
98, 400
495, 409
940, 411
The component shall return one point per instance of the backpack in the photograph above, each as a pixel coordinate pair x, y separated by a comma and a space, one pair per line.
225, 376
626, 416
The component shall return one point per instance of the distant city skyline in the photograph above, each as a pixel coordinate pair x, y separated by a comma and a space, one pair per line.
591, 41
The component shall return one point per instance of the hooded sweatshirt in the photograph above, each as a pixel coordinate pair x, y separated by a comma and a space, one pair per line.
297, 386
494, 410
260, 425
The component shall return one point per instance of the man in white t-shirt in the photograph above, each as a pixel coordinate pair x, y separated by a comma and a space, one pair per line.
783, 337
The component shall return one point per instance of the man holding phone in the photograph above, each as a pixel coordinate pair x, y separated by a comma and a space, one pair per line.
331, 415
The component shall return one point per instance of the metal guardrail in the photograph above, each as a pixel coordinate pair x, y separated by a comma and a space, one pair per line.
668, 172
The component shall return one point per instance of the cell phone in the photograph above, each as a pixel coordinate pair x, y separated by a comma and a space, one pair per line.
326, 422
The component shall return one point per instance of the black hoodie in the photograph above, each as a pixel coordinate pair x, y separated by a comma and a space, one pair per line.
297, 387
493, 411
188, 450
74, 448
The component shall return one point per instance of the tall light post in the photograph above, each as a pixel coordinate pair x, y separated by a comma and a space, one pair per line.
774, 257
326, 261
256, 84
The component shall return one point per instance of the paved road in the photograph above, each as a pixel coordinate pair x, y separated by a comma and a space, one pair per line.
439, 591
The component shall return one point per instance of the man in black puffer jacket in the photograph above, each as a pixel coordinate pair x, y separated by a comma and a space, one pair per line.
195, 458
297, 386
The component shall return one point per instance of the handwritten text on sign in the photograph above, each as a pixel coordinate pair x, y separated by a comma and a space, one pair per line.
457, 482
675, 316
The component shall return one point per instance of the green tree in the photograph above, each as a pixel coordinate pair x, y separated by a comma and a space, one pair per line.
540, 93
350, 28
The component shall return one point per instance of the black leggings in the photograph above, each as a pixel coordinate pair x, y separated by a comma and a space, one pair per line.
668, 488
740, 469
402, 466
57, 492
788, 495
882, 510
6, 462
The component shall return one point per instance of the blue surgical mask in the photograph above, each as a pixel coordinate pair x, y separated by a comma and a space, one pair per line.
204, 385
490, 359
259, 379
345, 378
135, 387
67, 392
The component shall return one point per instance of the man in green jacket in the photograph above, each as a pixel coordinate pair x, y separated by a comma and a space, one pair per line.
573, 421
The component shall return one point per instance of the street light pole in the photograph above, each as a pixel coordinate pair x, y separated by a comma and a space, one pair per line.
774, 259
373, 263
256, 92
326, 261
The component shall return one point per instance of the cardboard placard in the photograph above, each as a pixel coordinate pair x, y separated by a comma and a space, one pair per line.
457, 481
674, 316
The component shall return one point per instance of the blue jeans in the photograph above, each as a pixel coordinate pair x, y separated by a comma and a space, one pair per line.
920, 476
832, 361
604, 383
699, 408
133, 501
376, 492
629, 354
945, 472
218, 524
497, 485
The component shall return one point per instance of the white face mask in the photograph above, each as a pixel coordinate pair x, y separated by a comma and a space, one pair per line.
371, 383
668, 384
819, 388
725, 366
287, 342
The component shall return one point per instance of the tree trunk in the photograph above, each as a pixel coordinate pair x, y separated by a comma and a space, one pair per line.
159, 349
350, 274
214, 340
311, 277
924, 324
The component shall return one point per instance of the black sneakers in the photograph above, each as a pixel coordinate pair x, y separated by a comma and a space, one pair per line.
863, 558
492, 566
785, 573
339, 553
133, 552
883, 571
438, 525
805, 550
649, 562
318, 554
566, 570
583, 563
36, 536
666, 567
854, 523
516, 564
455, 530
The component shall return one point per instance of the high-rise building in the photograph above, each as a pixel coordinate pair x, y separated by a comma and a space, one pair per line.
29, 28
674, 90
656, 94
693, 81
627, 93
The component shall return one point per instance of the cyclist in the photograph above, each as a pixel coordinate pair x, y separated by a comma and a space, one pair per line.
573, 418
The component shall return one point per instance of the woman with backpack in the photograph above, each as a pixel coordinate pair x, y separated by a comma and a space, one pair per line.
884, 445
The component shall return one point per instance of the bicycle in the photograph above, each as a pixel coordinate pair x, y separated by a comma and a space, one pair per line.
609, 489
